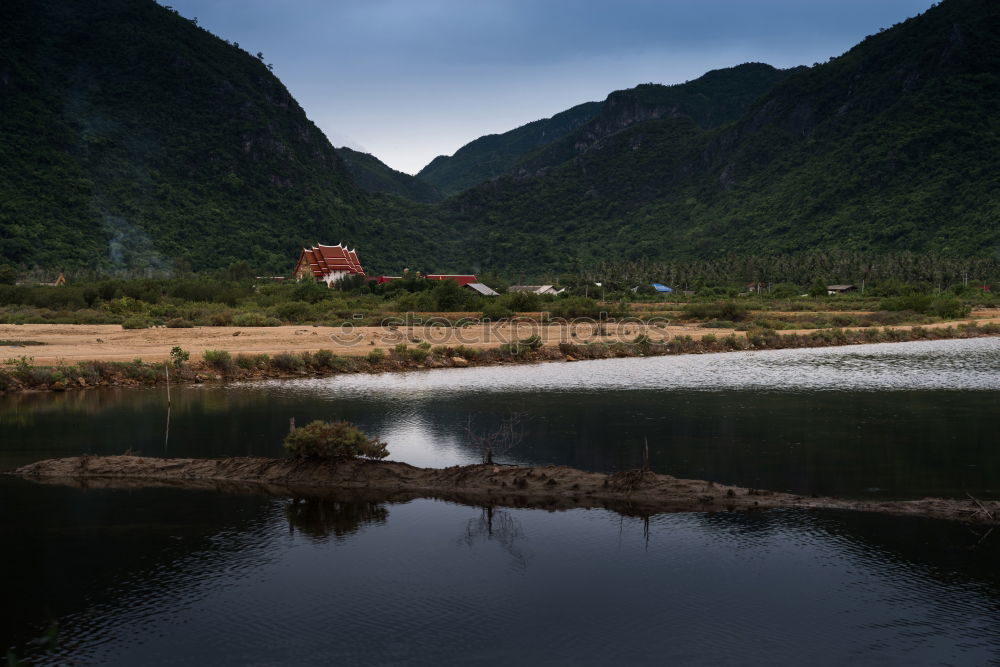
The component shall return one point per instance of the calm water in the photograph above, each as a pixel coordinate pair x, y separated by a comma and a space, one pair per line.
167, 576
889, 421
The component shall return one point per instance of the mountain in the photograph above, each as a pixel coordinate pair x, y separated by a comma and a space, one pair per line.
373, 175
892, 146
496, 154
134, 139
713, 99
131, 138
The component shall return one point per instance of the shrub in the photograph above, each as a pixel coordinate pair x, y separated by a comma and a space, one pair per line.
255, 320
218, 359
221, 319
576, 306
179, 323
375, 356
719, 324
949, 307
252, 361
330, 440
495, 311
179, 356
20, 367
135, 370
719, 310
135, 322
292, 311
285, 361
323, 359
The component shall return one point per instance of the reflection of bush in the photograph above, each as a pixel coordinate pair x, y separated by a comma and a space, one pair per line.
319, 519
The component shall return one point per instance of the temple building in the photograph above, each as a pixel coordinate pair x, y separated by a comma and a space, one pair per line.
327, 263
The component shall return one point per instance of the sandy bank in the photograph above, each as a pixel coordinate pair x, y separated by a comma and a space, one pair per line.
549, 487
71, 343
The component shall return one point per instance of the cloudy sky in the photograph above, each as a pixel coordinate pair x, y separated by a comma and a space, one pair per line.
407, 80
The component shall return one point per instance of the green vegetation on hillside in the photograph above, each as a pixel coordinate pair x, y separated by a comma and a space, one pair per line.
496, 154
893, 146
134, 139
372, 175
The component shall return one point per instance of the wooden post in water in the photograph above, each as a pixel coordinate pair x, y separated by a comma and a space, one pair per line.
166, 436
645, 455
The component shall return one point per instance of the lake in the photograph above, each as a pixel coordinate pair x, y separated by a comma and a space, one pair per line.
158, 576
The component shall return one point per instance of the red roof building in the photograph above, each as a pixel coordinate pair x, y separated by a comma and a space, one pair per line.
327, 263
461, 280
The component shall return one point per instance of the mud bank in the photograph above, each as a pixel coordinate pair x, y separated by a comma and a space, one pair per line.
631, 492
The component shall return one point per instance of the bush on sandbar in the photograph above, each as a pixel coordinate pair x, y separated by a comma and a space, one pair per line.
329, 440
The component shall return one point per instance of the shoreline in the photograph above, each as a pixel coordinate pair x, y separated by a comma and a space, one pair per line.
18, 375
631, 492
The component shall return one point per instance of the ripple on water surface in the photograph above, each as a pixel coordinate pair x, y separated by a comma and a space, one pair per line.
429, 582
972, 364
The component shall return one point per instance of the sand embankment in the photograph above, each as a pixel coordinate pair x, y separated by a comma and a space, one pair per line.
72, 343
550, 487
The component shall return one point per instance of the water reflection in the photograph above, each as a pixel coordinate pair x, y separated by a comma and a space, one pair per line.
181, 576
499, 527
818, 427
318, 519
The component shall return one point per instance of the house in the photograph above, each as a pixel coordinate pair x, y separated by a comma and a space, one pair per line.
535, 289
60, 281
662, 289
462, 280
327, 263
481, 289
840, 289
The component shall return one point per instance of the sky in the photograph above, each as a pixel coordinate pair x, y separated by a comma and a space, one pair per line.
408, 80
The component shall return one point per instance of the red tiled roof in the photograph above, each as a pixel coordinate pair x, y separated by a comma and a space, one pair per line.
326, 259
461, 280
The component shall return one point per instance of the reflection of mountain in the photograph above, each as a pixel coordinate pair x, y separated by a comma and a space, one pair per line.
318, 519
901, 444
79, 554
141, 569
941, 550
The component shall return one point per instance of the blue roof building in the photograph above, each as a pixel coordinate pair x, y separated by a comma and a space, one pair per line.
662, 288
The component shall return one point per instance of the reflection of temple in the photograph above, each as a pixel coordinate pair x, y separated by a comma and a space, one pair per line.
327, 263
319, 519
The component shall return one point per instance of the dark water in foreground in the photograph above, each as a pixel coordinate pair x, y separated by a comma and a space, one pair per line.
171, 577
168, 576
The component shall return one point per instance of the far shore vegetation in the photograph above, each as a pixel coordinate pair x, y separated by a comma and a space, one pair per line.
738, 292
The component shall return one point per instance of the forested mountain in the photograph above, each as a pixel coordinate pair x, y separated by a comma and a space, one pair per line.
133, 138
373, 175
713, 99
496, 154
894, 145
